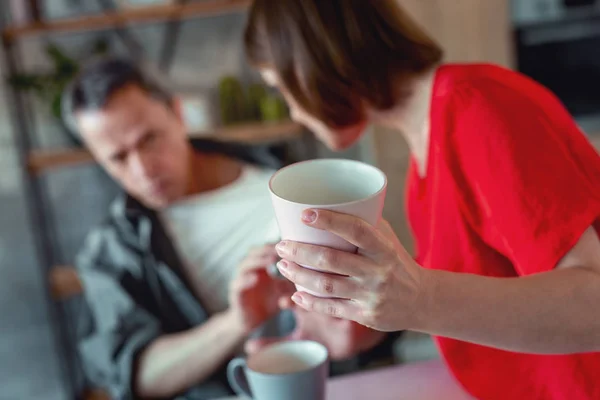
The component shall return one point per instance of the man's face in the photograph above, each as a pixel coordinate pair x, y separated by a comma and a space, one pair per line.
142, 144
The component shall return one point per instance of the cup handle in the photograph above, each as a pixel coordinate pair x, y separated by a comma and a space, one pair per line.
237, 377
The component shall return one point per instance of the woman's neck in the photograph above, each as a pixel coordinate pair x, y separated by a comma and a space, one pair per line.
411, 118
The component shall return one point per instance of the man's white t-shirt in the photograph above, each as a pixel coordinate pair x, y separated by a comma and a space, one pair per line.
214, 231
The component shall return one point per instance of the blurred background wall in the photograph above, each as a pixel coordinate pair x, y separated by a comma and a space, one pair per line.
208, 49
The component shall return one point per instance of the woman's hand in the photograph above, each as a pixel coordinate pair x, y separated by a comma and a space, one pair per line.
379, 287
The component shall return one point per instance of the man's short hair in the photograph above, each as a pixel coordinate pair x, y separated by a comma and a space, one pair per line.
97, 82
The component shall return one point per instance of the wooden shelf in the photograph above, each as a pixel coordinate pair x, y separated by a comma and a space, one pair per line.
42, 160
254, 133
129, 16
64, 282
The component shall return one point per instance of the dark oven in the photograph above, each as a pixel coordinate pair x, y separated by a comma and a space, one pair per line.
558, 44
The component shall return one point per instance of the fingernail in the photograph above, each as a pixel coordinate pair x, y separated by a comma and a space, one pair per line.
309, 216
296, 298
282, 264
281, 246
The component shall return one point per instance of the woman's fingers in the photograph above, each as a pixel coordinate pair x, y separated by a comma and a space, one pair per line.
353, 229
325, 284
323, 258
336, 308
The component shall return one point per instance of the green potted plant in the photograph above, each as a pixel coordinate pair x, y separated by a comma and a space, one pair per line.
252, 103
48, 86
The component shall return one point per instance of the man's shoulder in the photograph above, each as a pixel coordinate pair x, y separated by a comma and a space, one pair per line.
96, 245
106, 243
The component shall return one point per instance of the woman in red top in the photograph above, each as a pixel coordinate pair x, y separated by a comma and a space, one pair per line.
503, 199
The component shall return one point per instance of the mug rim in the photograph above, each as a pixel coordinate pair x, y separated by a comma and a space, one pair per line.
317, 206
284, 343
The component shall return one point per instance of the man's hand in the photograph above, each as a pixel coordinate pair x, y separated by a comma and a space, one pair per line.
343, 339
170, 365
254, 293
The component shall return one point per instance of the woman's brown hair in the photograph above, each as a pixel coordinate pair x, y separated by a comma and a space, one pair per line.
333, 56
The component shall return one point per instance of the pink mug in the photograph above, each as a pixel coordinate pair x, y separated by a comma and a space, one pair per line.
345, 186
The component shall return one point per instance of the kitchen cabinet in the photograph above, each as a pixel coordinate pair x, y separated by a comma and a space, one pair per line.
468, 30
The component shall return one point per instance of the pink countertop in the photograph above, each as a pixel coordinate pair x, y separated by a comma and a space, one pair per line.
420, 381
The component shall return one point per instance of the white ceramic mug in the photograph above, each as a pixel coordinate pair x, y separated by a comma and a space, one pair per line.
344, 186
290, 370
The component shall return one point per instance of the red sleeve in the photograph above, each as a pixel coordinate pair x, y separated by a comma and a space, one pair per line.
529, 179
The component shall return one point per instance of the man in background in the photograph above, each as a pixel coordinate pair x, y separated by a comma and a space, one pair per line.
176, 279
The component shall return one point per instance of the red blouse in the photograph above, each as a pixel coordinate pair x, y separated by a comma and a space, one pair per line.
511, 185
